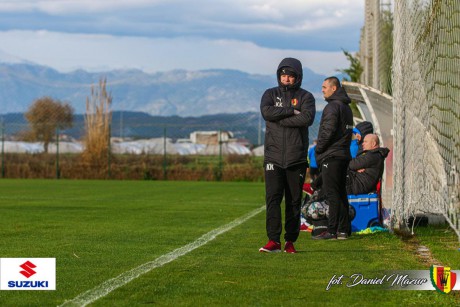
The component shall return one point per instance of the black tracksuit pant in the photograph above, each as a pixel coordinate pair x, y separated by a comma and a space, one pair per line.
334, 175
281, 182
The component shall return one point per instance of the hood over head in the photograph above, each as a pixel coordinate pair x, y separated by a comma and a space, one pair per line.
341, 95
291, 66
383, 151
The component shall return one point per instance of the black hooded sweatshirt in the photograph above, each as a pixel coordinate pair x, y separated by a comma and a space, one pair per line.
373, 163
335, 128
286, 134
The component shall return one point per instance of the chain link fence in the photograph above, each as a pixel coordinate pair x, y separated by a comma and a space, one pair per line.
141, 146
426, 109
214, 147
376, 45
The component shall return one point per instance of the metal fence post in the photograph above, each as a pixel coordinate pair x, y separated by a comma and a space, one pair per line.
58, 171
3, 149
165, 174
219, 172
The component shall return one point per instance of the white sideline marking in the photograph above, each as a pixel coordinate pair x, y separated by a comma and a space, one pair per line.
109, 285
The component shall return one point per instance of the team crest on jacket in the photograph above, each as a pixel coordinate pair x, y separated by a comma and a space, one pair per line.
442, 278
294, 101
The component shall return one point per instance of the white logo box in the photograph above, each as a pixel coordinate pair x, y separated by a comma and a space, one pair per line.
41, 277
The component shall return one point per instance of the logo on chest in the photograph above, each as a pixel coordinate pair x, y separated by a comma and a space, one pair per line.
279, 102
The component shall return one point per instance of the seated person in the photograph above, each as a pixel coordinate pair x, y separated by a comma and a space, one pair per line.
365, 171
359, 133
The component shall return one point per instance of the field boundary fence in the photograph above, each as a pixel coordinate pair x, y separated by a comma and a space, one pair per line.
426, 111
198, 151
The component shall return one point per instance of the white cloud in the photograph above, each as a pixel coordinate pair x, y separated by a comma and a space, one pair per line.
257, 8
287, 15
71, 6
66, 52
160, 35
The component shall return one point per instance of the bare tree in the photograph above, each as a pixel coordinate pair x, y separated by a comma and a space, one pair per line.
45, 115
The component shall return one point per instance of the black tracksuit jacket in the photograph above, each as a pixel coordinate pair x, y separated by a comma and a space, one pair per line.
286, 134
335, 128
373, 163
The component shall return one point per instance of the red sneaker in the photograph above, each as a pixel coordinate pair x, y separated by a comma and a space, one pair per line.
303, 227
289, 248
307, 188
306, 227
271, 247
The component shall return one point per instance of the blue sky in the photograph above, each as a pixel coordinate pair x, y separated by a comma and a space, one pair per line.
161, 35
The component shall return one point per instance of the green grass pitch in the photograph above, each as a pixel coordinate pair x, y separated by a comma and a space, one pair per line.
98, 230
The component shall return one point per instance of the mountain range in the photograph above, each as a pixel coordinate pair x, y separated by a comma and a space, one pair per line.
147, 105
173, 93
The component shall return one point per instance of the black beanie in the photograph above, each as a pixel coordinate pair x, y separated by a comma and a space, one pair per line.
365, 128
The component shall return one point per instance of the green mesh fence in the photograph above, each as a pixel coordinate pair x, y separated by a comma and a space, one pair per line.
410, 50
213, 147
426, 91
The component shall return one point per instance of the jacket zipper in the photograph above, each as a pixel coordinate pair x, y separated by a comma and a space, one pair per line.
288, 101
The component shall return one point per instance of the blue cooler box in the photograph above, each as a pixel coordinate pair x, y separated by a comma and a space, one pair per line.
366, 209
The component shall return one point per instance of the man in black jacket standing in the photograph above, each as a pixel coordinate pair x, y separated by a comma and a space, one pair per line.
288, 111
333, 155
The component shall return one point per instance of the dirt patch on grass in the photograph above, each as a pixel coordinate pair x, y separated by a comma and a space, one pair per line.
413, 245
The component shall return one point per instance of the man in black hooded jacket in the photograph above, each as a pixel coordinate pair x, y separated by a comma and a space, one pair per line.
333, 155
365, 171
288, 111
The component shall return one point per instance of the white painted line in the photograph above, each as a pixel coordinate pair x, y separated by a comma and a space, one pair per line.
124, 278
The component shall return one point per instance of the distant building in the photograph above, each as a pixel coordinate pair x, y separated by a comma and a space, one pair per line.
210, 137
244, 142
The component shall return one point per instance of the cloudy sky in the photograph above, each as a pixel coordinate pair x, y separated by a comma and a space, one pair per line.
161, 35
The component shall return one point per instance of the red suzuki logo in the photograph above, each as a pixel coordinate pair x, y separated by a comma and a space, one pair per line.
28, 266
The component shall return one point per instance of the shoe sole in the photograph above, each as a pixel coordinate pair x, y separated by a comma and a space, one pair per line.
314, 238
290, 252
342, 236
263, 250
